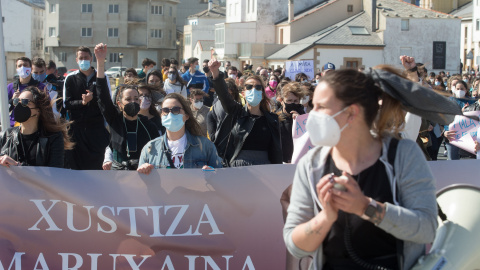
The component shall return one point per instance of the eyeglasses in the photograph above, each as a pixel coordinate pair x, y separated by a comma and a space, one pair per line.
171, 72
23, 101
250, 86
174, 110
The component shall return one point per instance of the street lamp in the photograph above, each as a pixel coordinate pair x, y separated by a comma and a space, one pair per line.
120, 55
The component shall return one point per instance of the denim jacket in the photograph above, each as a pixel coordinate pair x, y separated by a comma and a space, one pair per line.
199, 152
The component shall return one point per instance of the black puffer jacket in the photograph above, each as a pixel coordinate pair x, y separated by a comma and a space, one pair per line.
239, 123
50, 147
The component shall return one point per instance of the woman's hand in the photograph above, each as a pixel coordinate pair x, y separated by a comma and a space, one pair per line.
7, 161
324, 193
107, 166
145, 168
352, 200
101, 52
477, 146
408, 62
214, 65
450, 135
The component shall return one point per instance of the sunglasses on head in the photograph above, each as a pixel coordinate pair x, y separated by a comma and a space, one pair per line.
171, 72
250, 86
173, 110
23, 101
129, 86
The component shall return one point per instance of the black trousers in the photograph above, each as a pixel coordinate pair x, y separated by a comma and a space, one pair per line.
89, 150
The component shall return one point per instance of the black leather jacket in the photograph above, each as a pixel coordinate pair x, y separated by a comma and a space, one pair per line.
239, 123
50, 147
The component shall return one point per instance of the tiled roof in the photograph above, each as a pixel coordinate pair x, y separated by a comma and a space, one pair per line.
464, 11
215, 12
337, 35
398, 8
312, 9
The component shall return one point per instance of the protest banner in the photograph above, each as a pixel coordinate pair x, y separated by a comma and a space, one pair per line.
301, 139
171, 219
466, 131
301, 66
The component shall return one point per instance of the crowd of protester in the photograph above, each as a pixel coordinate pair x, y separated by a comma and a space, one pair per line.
187, 116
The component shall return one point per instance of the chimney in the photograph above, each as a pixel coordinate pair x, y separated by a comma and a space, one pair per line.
210, 4
291, 14
374, 16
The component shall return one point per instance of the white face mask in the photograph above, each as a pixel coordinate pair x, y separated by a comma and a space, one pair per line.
459, 93
323, 129
232, 76
198, 105
145, 103
304, 100
24, 72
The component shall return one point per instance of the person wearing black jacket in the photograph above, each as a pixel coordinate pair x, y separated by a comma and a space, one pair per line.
130, 132
40, 140
249, 135
291, 108
88, 129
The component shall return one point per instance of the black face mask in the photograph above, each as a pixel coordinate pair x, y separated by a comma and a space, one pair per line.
293, 107
206, 69
131, 109
21, 113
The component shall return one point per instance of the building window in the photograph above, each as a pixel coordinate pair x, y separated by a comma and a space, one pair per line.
358, 30
52, 32
170, 11
46, 49
62, 56
53, 8
188, 39
86, 32
113, 8
157, 10
477, 27
170, 34
87, 8
350, 8
219, 36
114, 58
112, 32
405, 25
156, 33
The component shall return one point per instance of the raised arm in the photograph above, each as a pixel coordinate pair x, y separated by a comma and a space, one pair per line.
228, 104
104, 100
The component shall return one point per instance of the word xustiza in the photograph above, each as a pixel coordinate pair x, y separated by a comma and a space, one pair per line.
206, 217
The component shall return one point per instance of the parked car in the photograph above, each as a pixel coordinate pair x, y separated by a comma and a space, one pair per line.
69, 71
114, 72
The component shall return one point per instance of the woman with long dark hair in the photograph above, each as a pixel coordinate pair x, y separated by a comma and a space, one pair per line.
250, 134
174, 83
41, 138
129, 130
182, 146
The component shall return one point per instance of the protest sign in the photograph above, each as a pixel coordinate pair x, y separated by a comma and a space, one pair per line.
171, 219
301, 139
465, 126
302, 66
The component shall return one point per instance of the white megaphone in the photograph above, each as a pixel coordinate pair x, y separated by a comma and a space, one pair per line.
457, 242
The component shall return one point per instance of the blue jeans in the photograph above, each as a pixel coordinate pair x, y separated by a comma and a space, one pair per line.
452, 152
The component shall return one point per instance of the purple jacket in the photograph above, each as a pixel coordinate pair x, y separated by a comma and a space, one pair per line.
11, 90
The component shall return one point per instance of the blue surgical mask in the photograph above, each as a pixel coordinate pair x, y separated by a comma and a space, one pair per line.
317, 81
172, 77
465, 80
84, 64
197, 67
253, 97
39, 77
173, 122
437, 83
